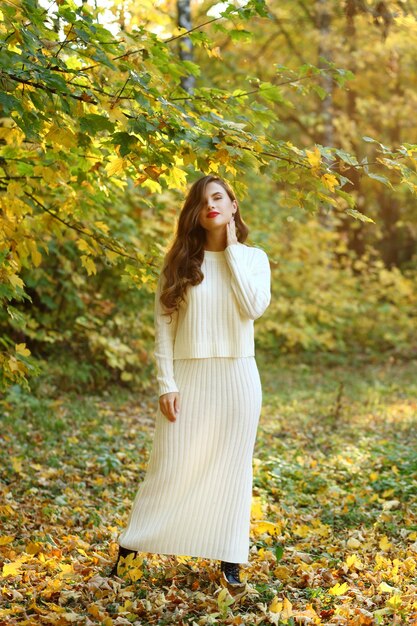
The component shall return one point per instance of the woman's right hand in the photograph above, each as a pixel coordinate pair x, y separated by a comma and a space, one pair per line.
169, 403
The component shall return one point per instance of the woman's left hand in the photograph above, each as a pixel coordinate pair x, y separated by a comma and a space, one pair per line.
231, 232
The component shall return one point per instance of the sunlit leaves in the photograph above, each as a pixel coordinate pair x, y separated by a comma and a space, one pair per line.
329, 181
314, 158
339, 589
358, 215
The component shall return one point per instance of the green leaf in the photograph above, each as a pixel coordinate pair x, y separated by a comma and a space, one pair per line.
92, 123
237, 34
199, 38
346, 196
359, 216
320, 91
124, 140
382, 179
279, 551
10, 103
346, 157
270, 92
193, 68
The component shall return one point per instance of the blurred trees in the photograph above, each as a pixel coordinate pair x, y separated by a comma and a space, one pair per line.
305, 107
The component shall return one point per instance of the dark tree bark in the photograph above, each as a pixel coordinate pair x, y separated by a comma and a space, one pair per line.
185, 48
323, 20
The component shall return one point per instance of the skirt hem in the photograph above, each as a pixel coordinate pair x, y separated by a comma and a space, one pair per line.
216, 556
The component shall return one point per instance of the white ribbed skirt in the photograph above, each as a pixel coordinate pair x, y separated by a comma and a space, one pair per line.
195, 498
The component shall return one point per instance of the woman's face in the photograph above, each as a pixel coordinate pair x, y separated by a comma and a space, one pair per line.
216, 201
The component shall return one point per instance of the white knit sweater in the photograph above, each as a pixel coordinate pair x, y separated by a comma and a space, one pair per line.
217, 316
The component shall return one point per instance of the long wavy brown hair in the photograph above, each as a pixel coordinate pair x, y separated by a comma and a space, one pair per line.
182, 262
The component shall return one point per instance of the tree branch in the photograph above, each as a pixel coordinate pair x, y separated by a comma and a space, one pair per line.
81, 230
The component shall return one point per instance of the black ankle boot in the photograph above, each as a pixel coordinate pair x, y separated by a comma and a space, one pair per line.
231, 574
123, 552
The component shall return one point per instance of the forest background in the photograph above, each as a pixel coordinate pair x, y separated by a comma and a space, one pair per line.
306, 108
108, 112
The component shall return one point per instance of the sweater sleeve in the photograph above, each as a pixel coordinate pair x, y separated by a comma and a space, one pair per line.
164, 344
251, 279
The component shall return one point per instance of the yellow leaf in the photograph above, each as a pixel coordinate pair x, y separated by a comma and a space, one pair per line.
67, 570
152, 185
83, 552
267, 527
286, 610
70, 32
328, 199
385, 588
83, 245
17, 464
282, 572
189, 157
223, 155
89, 264
33, 547
330, 181
339, 589
314, 157
11, 569
16, 366
256, 509
353, 561
275, 606
394, 601
385, 544
34, 253
56, 608
115, 165
302, 530
230, 168
214, 52
21, 349
224, 599
102, 226
135, 574
115, 113
5, 539
61, 136
54, 585
175, 178
110, 254
309, 613
183, 558
16, 281
94, 610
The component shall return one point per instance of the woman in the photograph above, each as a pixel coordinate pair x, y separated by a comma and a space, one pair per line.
195, 499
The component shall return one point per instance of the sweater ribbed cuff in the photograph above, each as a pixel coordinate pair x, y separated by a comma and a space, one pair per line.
167, 387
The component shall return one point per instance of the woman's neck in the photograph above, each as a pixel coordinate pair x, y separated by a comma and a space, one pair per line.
216, 244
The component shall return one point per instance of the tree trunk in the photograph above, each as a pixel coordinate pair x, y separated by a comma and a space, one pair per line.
324, 50
185, 48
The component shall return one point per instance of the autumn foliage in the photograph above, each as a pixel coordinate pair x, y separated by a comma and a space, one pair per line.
308, 110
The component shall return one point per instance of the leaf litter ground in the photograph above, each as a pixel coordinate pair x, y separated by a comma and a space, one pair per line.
334, 516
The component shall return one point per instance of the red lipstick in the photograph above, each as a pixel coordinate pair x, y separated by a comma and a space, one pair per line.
212, 214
